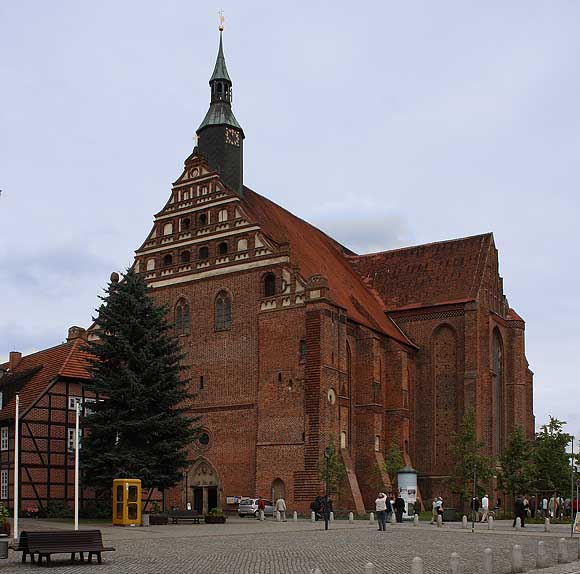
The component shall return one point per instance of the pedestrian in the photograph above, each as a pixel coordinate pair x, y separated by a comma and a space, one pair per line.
484, 508
440, 507
533, 506
545, 507
519, 511
281, 508
417, 507
399, 508
261, 508
389, 505
526, 506
434, 511
381, 508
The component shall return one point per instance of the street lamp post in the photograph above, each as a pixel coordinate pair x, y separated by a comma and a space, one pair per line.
327, 457
473, 499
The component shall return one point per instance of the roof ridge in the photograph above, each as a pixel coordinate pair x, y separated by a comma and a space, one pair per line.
41, 351
72, 350
479, 235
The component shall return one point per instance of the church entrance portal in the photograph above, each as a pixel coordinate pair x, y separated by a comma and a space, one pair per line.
205, 487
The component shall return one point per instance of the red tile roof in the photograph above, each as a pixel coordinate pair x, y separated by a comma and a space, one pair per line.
314, 253
35, 372
430, 274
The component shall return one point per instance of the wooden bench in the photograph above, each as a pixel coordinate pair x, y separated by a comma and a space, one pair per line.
47, 542
184, 515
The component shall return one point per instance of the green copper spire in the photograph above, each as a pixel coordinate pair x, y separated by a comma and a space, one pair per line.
220, 71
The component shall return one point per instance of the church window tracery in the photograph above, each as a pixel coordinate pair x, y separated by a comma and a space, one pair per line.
182, 318
498, 370
223, 311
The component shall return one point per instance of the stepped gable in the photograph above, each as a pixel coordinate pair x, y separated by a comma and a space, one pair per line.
314, 253
35, 372
438, 273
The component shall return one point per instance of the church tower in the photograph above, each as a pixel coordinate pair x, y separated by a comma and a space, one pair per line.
220, 136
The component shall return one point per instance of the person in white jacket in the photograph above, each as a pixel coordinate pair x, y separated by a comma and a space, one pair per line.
281, 508
381, 508
484, 508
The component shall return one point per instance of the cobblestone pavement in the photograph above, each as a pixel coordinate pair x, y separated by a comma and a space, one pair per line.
251, 547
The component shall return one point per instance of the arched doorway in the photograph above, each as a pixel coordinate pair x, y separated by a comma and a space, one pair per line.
278, 489
204, 483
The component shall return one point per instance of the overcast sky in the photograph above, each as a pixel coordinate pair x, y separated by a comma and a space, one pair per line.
384, 123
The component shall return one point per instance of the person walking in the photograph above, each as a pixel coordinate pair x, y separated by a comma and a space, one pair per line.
399, 508
434, 511
519, 511
484, 508
475, 508
440, 508
381, 509
545, 507
261, 508
281, 508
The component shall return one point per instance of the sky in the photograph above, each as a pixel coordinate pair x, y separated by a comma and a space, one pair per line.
384, 123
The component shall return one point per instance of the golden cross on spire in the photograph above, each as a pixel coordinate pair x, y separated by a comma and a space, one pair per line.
221, 19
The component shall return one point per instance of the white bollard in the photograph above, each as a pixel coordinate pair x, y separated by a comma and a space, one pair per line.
278, 516
372, 518
541, 556
370, 568
332, 517
487, 561
517, 559
547, 525
439, 521
295, 516
351, 517
313, 517
464, 522
490, 523
562, 551
416, 520
262, 516
454, 564
393, 519
417, 565
518, 523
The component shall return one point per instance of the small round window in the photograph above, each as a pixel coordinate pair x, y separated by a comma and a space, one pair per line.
203, 439
331, 396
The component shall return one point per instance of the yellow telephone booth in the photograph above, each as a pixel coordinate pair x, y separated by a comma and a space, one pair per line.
127, 502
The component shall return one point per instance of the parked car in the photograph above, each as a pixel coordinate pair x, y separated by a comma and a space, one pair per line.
249, 507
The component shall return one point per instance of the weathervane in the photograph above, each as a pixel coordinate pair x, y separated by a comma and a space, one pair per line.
221, 19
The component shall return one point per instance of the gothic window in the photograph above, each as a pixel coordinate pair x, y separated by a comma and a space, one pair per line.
204, 252
377, 443
185, 224
302, 350
167, 260
223, 311
498, 369
150, 264
222, 215
182, 319
269, 285
242, 244
202, 218
223, 248
185, 257
168, 229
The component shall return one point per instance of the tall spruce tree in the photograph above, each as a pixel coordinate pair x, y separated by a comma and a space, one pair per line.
469, 454
139, 428
518, 471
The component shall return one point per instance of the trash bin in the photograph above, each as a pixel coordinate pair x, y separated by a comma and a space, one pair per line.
3, 548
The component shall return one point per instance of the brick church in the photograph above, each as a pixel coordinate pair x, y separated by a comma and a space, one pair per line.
293, 341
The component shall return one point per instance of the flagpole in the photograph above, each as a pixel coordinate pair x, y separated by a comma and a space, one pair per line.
16, 466
77, 417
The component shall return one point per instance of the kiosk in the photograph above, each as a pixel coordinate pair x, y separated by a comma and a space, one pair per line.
126, 502
407, 481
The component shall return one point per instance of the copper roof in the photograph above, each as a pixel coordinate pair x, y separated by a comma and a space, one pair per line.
35, 372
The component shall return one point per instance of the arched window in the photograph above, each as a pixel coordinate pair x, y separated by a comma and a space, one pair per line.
203, 252
168, 229
167, 260
182, 317
223, 311
202, 218
302, 350
185, 224
242, 244
223, 248
269, 285
497, 368
150, 264
185, 257
222, 215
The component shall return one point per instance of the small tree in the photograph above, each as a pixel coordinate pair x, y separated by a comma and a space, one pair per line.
518, 471
468, 454
336, 468
393, 463
139, 428
550, 457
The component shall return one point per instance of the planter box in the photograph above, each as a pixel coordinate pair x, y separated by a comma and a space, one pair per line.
158, 519
214, 519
